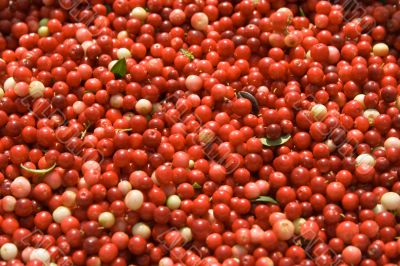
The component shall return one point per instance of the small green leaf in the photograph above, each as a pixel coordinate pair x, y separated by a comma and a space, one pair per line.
38, 171
187, 53
265, 199
275, 142
119, 69
251, 98
302, 14
108, 8
196, 185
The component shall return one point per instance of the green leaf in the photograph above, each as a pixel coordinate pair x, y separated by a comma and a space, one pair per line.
265, 199
251, 98
187, 53
108, 8
119, 69
196, 185
38, 171
302, 14
275, 142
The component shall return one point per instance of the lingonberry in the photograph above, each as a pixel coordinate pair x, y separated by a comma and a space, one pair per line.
172, 132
